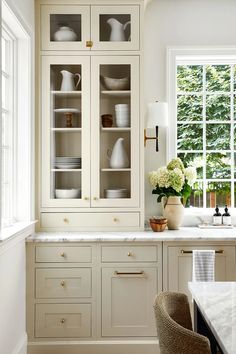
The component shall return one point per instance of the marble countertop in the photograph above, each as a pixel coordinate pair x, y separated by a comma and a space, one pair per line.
217, 302
184, 234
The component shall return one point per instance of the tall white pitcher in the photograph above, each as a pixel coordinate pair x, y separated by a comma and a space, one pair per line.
68, 81
117, 30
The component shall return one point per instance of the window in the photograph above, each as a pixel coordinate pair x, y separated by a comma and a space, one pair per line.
204, 134
7, 127
16, 124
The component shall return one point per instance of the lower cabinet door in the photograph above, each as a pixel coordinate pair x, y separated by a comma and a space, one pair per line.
127, 301
63, 320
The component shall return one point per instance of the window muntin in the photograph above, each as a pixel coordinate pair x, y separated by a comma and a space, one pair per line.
206, 135
7, 128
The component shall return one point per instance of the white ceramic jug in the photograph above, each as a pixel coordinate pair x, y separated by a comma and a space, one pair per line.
118, 158
68, 81
65, 34
117, 30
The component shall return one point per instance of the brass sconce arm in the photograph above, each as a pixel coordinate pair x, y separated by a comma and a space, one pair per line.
151, 138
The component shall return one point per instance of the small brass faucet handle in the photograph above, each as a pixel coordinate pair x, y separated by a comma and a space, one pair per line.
63, 283
62, 320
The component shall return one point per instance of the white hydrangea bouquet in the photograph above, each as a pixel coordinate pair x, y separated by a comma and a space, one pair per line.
173, 180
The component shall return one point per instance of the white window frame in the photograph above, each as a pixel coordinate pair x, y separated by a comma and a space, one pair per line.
193, 56
24, 121
10, 111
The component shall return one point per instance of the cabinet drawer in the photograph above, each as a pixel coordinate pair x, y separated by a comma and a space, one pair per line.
89, 220
63, 320
63, 254
63, 283
129, 254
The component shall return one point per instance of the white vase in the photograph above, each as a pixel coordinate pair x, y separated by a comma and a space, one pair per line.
119, 158
65, 34
173, 211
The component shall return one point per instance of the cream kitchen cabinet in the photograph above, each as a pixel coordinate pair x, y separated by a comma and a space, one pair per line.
72, 131
78, 186
60, 291
131, 277
85, 297
89, 26
177, 263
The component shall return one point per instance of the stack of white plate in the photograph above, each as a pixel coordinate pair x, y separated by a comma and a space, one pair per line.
116, 193
122, 115
64, 162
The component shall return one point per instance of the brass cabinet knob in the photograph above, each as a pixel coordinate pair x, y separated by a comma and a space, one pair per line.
66, 221
62, 320
86, 198
95, 198
129, 254
115, 219
63, 283
62, 254
89, 44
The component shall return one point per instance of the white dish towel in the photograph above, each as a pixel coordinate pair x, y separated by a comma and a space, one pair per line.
203, 265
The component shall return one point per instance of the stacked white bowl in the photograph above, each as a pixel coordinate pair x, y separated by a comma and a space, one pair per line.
122, 115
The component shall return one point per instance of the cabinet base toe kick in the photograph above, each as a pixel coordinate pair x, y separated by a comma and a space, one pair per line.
97, 347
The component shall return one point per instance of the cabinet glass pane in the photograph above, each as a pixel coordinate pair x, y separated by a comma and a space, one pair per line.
66, 131
65, 28
115, 28
115, 131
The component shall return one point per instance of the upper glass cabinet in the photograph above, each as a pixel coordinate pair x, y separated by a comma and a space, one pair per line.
115, 27
72, 27
65, 27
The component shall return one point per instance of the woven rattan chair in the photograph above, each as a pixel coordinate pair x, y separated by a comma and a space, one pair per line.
174, 326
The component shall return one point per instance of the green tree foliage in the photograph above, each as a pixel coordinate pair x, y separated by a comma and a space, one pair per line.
210, 84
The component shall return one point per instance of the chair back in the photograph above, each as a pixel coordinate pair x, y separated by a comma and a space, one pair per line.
174, 326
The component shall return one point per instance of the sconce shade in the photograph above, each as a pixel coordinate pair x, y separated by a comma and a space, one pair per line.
157, 114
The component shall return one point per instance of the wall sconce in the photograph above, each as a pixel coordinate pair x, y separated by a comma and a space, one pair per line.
157, 117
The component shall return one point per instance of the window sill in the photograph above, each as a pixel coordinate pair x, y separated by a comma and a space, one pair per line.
19, 230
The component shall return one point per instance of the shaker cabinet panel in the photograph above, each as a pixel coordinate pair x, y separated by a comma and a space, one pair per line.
127, 298
63, 283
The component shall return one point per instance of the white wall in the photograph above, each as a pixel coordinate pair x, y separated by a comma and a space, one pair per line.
25, 10
13, 338
178, 23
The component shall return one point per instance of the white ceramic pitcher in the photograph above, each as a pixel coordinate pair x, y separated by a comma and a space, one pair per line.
117, 30
118, 158
68, 81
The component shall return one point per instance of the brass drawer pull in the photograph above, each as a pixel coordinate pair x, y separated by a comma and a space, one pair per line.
189, 252
66, 221
63, 283
115, 219
129, 254
62, 320
86, 198
62, 254
95, 198
129, 273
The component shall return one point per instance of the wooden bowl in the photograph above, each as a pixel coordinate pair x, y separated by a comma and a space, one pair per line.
158, 225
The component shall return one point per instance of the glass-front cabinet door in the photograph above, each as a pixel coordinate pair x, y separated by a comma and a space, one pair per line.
65, 131
115, 27
65, 27
115, 131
